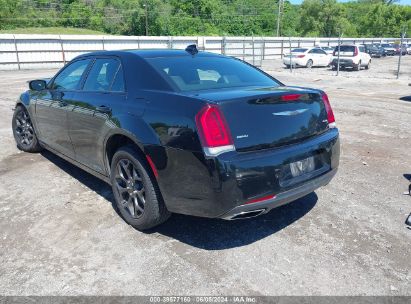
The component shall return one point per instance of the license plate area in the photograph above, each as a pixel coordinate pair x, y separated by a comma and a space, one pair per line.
304, 169
303, 166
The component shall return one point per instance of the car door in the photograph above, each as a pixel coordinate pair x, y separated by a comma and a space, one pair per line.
91, 117
52, 106
312, 54
363, 55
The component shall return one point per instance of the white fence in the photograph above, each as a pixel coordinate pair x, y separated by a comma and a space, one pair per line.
53, 51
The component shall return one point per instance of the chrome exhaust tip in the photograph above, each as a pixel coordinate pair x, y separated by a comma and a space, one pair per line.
246, 214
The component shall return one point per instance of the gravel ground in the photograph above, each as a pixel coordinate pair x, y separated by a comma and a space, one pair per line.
59, 234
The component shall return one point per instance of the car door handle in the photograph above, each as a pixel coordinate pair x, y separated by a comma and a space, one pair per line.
103, 109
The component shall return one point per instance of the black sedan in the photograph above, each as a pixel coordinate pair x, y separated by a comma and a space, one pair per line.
182, 131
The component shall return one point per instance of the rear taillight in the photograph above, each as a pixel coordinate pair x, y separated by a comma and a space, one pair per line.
355, 51
213, 131
329, 110
335, 52
301, 56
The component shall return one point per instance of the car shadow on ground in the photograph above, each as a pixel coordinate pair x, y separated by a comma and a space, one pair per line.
204, 233
217, 234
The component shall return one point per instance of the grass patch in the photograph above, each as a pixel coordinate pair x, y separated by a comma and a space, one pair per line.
52, 30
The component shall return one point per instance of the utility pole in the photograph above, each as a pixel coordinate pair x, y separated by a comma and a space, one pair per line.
291, 62
339, 43
279, 17
399, 58
145, 5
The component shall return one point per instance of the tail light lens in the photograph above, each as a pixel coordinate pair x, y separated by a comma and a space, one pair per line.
301, 56
335, 52
213, 131
329, 110
355, 51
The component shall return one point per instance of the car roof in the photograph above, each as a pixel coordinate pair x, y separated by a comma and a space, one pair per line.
151, 53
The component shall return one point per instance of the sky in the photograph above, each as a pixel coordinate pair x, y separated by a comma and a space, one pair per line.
403, 2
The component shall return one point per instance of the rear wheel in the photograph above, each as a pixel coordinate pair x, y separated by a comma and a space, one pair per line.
358, 67
368, 65
136, 193
23, 131
309, 64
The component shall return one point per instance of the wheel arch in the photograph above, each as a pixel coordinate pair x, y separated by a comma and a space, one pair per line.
120, 138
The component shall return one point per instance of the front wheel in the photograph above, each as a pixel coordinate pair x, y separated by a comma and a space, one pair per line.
23, 131
136, 193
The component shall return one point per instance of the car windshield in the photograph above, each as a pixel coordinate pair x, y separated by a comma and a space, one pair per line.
204, 73
299, 50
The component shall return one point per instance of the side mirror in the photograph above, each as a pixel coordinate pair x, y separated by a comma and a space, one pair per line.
37, 85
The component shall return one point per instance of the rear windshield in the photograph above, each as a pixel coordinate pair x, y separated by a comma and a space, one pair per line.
346, 48
204, 73
299, 50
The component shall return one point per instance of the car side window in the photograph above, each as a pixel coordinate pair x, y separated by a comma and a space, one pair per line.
70, 77
118, 84
102, 74
361, 49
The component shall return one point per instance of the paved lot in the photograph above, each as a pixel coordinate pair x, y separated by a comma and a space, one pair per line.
60, 236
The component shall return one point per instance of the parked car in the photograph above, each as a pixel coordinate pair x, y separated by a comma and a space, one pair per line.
400, 49
182, 131
307, 57
351, 56
328, 49
408, 49
374, 50
389, 48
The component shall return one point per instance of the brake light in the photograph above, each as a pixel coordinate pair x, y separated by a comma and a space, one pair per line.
335, 52
290, 97
355, 51
213, 131
300, 56
329, 110
261, 199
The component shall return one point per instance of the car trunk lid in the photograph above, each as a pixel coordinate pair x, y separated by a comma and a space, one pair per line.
261, 118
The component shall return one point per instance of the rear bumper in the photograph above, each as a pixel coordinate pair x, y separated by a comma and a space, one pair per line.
295, 61
220, 187
344, 63
282, 198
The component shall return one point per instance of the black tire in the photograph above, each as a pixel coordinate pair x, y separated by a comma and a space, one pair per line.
309, 64
358, 67
367, 67
23, 131
334, 67
136, 193
287, 66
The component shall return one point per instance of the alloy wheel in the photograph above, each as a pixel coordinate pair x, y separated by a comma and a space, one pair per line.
129, 184
24, 128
